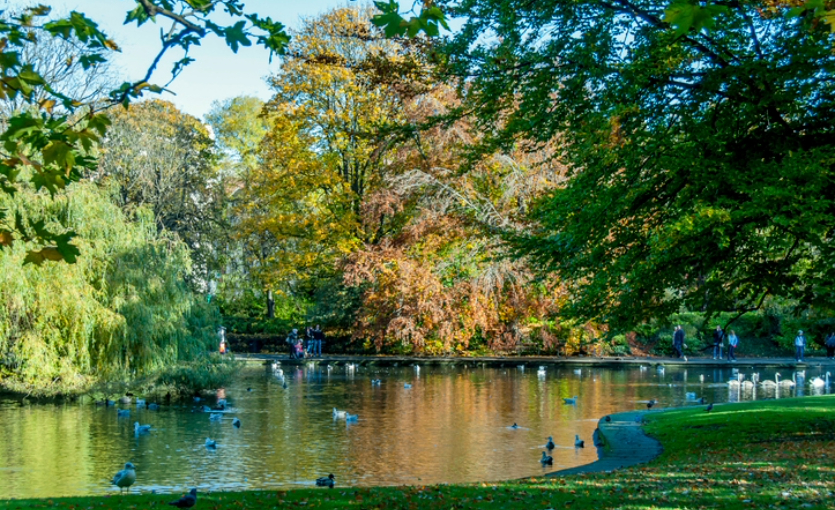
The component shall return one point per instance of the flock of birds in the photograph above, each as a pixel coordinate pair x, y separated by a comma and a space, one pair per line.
127, 476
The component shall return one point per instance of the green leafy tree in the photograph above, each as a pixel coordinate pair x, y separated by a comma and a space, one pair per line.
699, 141
52, 145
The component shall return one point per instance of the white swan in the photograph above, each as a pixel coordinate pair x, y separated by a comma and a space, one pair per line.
818, 382
541, 371
787, 383
339, 414
736, 382
768, 383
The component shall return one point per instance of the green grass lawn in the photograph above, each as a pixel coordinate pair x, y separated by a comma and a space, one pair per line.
770, 454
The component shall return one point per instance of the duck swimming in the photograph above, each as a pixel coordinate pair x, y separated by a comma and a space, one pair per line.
550, 444
579, 443
546, 459
326, 481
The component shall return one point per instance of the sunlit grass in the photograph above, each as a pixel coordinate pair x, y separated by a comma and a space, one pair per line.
767, 454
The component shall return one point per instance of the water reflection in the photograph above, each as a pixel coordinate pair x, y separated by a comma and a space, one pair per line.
453, 425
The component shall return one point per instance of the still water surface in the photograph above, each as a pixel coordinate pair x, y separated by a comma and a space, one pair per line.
452, 425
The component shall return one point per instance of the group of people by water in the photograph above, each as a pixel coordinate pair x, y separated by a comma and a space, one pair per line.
733, 344
315, 338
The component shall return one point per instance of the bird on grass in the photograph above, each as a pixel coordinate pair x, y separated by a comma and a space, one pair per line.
579, 443
187, 501
651, 403
236, 423
550, 444
141, 429
546, 459
125, 478
211, 445
709, 407
571, 401
326, 481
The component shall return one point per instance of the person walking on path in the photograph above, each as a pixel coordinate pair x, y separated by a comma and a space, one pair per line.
733, 342
830, 346
718, 336
678, 342
799, 346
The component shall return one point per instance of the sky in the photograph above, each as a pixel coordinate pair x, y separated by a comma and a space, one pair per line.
217, 74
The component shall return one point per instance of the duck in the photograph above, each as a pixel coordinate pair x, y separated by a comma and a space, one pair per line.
140, 402
339, 414
215, 417
210, 444
125, 478
571, 401
122, 413
352, 417
541, 371
141, 429
550, 444
153, 407
651, 403
326, 481
187, 501
546, 459
514, 426
407, 386
579, 443
236, 422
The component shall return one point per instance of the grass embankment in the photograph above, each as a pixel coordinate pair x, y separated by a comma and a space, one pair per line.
772, 454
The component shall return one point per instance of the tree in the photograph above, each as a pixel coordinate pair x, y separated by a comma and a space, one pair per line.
700, 152
55, 143
164, 160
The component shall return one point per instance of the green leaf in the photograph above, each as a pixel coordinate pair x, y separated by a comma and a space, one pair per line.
235, 36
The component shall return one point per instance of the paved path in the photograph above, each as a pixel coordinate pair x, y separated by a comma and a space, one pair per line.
533, 361
627, 445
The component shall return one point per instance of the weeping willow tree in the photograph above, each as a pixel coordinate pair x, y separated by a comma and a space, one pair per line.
122, 311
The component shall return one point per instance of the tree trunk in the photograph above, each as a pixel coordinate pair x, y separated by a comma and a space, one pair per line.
270, 305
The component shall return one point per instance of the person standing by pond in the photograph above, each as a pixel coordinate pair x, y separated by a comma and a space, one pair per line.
830, 346
319, 339
733, 342
799, 346
292, 340
678, 342
718, 336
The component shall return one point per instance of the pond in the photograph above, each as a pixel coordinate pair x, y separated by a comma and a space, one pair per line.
453, 425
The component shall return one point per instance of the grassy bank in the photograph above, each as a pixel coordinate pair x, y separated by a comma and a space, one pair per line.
771, 454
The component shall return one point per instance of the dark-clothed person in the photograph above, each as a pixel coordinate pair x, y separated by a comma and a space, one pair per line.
678, 342
830, 346
718, 336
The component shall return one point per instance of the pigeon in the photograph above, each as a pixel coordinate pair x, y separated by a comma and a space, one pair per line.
125, 478
571, 401
326, 481
546, 459
651, 403
210, 444
550, 444
187, 501
236, 423
709, 407
579, 443
141, 429
122, 413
